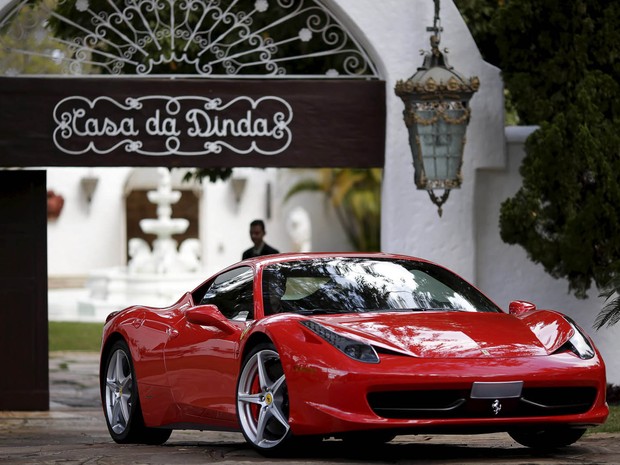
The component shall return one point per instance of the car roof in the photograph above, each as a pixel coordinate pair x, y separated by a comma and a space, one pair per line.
285, 257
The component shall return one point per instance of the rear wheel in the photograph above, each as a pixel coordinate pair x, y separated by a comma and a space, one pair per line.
262, 401
119, 392
551, 438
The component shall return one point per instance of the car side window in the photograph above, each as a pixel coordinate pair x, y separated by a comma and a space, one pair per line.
232, 292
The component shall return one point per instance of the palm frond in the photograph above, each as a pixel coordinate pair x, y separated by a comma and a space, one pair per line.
610, 313
305, 185
355, 196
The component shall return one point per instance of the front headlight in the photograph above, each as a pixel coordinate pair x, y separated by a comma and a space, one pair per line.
579, 343
357, 350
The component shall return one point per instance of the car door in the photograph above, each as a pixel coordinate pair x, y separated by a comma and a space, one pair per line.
201, 361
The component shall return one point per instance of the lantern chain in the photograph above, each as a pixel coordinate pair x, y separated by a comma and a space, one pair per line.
436, 29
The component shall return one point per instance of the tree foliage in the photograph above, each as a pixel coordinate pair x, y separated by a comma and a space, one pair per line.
560, 65
478, 15
19, 34
212, 174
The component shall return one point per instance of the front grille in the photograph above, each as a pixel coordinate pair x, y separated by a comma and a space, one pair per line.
456, 403
558, 401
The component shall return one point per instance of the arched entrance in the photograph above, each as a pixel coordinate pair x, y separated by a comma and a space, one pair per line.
194, 83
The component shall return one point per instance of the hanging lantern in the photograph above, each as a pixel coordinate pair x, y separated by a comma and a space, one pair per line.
436, 113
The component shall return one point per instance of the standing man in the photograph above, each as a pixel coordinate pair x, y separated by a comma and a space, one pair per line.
257, 233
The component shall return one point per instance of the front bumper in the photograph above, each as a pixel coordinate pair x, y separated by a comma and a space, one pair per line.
414, 395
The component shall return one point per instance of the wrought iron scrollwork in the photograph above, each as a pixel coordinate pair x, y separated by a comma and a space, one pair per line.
211, 38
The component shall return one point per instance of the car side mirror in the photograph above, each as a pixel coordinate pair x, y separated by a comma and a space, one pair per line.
519, 307
209, 315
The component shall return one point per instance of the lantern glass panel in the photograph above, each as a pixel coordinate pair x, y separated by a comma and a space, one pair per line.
441, 145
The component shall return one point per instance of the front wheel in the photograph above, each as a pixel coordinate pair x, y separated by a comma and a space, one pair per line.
263, 402
119, 392
551, 438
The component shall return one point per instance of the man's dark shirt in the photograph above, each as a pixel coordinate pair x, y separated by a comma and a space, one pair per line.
265, 250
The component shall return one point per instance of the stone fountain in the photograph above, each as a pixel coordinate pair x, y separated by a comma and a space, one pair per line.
156, 277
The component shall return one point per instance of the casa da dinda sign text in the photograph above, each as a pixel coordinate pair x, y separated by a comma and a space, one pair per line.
187, 122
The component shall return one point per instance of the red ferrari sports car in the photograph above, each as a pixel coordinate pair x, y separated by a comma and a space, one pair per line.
293, 346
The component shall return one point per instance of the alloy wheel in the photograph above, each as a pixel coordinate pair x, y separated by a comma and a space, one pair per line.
262, 400
118, 391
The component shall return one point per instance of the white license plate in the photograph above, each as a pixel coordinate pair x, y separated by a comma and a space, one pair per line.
500, 390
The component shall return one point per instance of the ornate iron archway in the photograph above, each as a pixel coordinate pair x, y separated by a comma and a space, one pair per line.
207, 38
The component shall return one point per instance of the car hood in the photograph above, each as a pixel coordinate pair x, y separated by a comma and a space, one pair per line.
456, 334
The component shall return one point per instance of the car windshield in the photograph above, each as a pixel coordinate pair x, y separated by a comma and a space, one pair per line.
359, 285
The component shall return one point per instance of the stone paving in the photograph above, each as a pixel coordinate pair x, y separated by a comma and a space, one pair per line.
73, 432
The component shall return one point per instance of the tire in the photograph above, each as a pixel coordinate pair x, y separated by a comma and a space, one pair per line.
552, 438
121, 405
263, 402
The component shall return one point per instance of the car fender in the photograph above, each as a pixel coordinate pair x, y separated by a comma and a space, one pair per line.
283, 330
146, 333
307, 360
550, 327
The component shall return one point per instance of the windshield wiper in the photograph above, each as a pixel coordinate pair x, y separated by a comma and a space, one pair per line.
439, 310
319, 311
414, 310
326, 311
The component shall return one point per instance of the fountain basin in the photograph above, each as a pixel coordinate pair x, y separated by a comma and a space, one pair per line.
114, 289
164, 226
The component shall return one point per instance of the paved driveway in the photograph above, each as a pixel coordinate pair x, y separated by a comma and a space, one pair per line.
74, 432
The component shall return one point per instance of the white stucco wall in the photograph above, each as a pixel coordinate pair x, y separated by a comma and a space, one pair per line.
396, 30
86, 236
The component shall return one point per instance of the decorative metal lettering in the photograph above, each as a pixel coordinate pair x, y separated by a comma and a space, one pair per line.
179, 125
